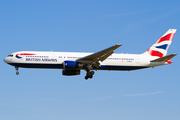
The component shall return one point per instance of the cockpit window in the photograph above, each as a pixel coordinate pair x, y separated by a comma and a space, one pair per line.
10, 55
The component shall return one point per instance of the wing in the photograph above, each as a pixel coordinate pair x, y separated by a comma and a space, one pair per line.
94, 59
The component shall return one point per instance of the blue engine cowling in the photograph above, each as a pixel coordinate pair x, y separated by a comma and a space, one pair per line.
72, 65
70, 72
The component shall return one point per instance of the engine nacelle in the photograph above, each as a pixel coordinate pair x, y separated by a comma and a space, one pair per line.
72, 65
70, 72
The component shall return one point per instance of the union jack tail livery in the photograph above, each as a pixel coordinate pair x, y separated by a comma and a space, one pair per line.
161, 46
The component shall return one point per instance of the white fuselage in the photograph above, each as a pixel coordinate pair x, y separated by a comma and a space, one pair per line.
35, 59
72, 63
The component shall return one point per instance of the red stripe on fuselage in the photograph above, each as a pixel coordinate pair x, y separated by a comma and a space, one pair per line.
26, 54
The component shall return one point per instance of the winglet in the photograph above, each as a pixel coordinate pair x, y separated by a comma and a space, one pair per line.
118, 45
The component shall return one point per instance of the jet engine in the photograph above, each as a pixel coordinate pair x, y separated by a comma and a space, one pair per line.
71, 65
71, 68
70, 72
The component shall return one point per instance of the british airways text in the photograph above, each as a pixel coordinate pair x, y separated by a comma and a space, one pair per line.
44, 60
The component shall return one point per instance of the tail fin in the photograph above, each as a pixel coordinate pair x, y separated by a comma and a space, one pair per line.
161, 46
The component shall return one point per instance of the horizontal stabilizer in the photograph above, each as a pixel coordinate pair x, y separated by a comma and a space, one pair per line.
165, 58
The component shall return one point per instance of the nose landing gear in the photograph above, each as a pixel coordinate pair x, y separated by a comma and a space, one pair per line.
17, 72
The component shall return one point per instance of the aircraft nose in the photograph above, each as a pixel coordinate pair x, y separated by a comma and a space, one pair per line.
7, 60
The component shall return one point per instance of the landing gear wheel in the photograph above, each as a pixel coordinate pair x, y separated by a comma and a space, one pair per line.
86, 77
17, 73
91, 76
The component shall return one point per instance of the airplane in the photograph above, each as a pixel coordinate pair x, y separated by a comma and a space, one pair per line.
72, 63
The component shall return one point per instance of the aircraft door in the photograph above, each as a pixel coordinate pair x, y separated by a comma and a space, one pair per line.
54, 56
138, 60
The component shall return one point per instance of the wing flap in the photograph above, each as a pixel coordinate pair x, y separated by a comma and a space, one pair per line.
106, 56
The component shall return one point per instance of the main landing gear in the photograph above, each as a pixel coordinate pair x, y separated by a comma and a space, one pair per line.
17, 72
89, 74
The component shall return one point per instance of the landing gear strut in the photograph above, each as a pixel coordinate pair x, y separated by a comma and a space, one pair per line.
17, 72
89, 74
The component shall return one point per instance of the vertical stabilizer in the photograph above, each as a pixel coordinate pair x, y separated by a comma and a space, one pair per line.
161, 46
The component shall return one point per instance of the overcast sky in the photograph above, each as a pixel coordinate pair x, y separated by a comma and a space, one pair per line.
88, 26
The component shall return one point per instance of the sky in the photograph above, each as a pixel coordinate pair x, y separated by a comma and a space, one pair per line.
88, 26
